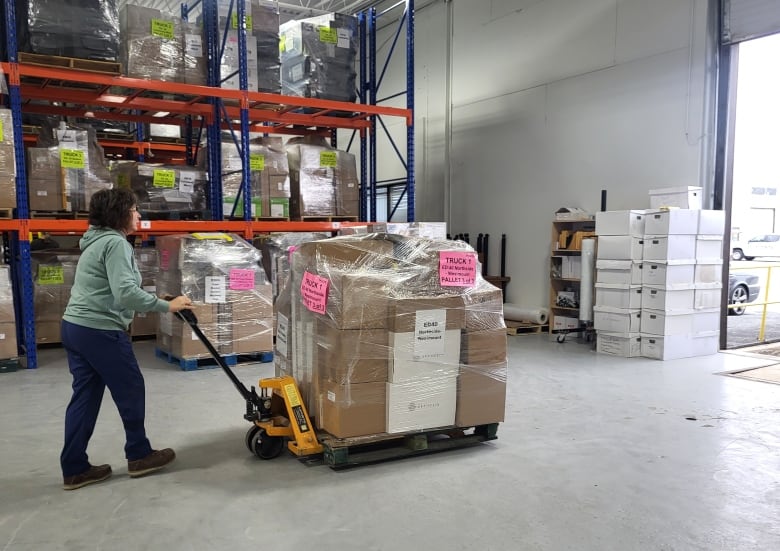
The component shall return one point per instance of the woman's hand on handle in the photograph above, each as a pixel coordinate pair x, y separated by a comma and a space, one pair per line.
179, 303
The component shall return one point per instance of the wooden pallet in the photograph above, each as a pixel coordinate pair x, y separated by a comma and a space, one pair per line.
6, 214
192, 364
329, 218
60, 62
177, 215
523, 328
345, 453
270, 219
59, 215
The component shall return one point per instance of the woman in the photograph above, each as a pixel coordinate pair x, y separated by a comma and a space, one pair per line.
106, 292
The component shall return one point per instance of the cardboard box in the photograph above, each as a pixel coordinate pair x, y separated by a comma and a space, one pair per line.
484, 309
250, 305
419, 356
687, 197
565, 322
7, 160
8, 192
671, 247
672, 222
352, 252
620, 272
626, 345
656, 322
618, 296
483, 347
46, 195
352, 356
674, 347
253, 336
144, 323
620, 247
47, 332
185, 344
616, 320
709, 248
480, 397
8, 348
666, 273
406, 315
621, 222
353, 409
712, 222
358, 301
420, 406
49, 303
668, 299
7, 313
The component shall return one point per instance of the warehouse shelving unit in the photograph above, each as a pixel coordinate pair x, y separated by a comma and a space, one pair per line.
73, 93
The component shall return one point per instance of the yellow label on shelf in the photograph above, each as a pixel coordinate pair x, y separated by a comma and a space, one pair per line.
327, 159
256, 162
51, 275
164, 178
235, 21
292, 395
331, 36
123, 180
162, 28
212, 235
71, 158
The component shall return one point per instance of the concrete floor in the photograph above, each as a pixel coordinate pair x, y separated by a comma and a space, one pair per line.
596, 453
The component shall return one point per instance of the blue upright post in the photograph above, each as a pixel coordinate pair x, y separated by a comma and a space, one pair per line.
243, 83
363, 137
372, 100
410, 105
22, 272
211, 30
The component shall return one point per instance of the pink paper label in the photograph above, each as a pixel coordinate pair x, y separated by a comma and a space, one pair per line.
165, 259
314, 292
457, 269
242, 280
290, 250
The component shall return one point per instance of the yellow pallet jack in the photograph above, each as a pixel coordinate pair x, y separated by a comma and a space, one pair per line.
277, 413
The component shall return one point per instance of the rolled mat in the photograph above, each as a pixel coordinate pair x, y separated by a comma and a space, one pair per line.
531, 315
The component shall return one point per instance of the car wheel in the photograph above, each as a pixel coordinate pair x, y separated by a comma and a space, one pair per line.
738, 296
737, 254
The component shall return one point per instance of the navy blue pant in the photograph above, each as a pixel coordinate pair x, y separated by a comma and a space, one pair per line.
98, 359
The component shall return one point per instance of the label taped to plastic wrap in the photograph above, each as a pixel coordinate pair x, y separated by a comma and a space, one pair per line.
241, 279
162, 28
429, 327
2, 136
51, 275
256, 162
164, 178
218, 236
71, 158
314, 292
328, 159
215, 290
193, 45
343, 38
234, 21
282, 326
328, 35
457, 269
187, 182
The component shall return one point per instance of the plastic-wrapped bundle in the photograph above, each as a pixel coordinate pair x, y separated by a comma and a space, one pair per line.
376, 346
145, 323
194, 56
7, 160
7, 317
87, 29
164, 189
318, 57
269, 178
53, 274
152, 44
222, 274
276, 258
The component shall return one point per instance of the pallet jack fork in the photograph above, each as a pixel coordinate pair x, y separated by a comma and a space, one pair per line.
277, 414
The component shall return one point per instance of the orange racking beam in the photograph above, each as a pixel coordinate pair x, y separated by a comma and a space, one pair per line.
104, 115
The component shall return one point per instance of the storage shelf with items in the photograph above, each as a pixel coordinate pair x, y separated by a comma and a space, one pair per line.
206, 79
566, 271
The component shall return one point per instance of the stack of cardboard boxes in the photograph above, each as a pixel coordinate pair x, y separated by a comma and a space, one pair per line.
53, 275
145, 323
221, 273
164, 189
7, 161
376, 348
8, 347
153, 44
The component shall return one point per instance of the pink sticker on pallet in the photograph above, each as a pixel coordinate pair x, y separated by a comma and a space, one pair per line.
241, 279
457, 269
165, 259
314, 292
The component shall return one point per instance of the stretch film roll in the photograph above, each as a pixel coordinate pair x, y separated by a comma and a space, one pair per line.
532, 315
586, 279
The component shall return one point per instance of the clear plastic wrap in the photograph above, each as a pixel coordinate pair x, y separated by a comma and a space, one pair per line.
153, 44
269, 177
7, 160
8, 347
222, 274
87, 29
44, 180
194, 55
161, 189
53, 273
393, 334
318, 57
146, 323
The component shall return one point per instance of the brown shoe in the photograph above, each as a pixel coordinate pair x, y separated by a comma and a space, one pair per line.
152, 462
94, 474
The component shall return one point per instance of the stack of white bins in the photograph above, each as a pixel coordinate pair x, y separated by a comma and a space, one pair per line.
617, 309
681, 283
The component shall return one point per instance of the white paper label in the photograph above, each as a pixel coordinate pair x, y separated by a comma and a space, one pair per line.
2, 336
146, 225
187, 182
194, 45
343, 38
429, 330
297, 72
140, 314
42, 193
215, 290
277, 211
281, 334
280, 185
150, 288
331, 396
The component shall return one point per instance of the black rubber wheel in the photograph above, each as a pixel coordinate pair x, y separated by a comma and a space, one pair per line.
561, 337
267, 447
250, 437
738, 296
737, 254
749, 257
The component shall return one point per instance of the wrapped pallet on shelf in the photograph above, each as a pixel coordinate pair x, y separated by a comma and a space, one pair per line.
163, 191
222, 274
8, 347
391, 334
152, 44
145, 323
53, 275
7, 161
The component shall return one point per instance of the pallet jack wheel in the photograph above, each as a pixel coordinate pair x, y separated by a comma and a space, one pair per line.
266, 447
250, 437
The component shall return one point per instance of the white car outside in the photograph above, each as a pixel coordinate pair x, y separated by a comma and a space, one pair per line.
767, 245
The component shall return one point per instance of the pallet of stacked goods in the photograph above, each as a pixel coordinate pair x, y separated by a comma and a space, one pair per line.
389, 335
145, 323
53, 274
7, 164
223, 276
152, 45
167, 192
617, 310
8, 348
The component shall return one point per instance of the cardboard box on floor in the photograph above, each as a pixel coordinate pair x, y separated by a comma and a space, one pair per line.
353, 409
352, 356
481, 395
8, 347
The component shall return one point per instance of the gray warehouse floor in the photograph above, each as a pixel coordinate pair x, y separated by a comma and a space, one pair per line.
596, 453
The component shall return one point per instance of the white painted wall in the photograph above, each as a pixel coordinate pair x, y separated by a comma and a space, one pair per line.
553, 101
